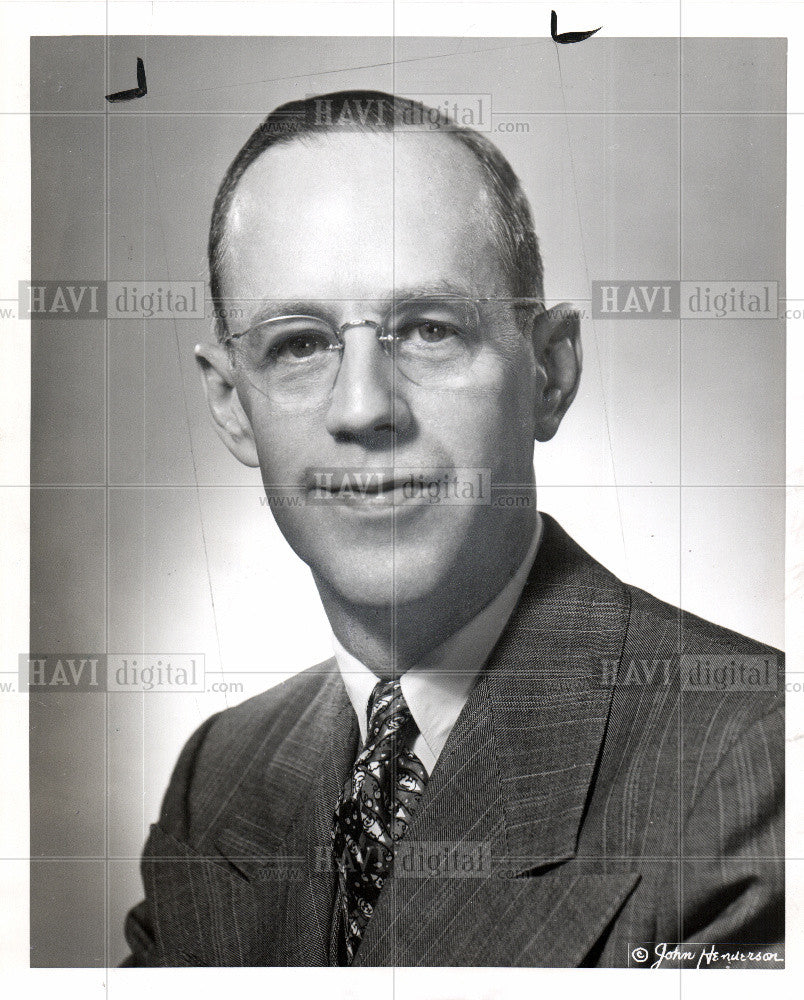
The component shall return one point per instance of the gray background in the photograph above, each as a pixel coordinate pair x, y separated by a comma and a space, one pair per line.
643, 159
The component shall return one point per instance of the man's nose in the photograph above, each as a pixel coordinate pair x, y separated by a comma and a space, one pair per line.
365, 400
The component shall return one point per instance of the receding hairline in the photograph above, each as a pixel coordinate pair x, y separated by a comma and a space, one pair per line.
470, 162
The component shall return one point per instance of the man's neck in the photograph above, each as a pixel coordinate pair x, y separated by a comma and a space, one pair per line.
389, 643
390, 639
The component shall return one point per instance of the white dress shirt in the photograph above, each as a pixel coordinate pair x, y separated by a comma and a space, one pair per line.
436, 688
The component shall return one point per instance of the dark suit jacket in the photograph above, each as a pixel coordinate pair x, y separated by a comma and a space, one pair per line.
614, 805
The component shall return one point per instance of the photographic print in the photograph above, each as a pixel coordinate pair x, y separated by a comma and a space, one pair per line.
407, 503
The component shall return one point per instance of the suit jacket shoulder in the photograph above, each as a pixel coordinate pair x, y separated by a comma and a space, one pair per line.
722, 682
221, 751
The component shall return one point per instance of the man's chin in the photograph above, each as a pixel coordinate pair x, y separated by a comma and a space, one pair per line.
392, 586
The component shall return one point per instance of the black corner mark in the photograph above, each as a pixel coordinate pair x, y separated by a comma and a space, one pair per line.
568, 37
139, 91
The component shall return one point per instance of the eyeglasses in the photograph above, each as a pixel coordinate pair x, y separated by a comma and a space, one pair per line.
432, 342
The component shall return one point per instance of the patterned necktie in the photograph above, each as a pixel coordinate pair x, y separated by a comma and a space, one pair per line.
373, 812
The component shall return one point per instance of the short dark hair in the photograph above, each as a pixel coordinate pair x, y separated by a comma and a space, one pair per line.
514, 234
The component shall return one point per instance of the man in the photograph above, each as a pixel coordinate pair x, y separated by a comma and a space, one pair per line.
497, 701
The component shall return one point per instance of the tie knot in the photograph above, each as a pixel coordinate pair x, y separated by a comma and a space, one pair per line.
387, 709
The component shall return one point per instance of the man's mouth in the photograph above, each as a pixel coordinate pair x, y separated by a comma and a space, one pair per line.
368, 489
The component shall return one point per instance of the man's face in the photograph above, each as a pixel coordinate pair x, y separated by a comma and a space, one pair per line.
339, 225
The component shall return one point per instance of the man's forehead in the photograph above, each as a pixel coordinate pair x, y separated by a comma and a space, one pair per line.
356, 213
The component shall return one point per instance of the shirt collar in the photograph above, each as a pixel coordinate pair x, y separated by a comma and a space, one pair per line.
436, 688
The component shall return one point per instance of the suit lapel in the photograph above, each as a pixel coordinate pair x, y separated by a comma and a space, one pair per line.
313, 836
550, 688
276, 831
511, 786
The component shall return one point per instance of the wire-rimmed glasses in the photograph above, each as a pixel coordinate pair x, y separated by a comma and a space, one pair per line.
294, 358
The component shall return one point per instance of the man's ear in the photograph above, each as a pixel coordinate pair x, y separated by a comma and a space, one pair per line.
231, 423
557, 346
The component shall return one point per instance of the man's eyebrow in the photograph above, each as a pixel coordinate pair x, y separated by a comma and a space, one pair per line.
439, 287
289, 307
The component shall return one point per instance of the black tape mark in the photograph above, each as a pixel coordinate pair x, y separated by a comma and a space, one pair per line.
139, 91
568, 37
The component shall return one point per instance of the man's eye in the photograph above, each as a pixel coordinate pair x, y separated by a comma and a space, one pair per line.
428, 332
300, 346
